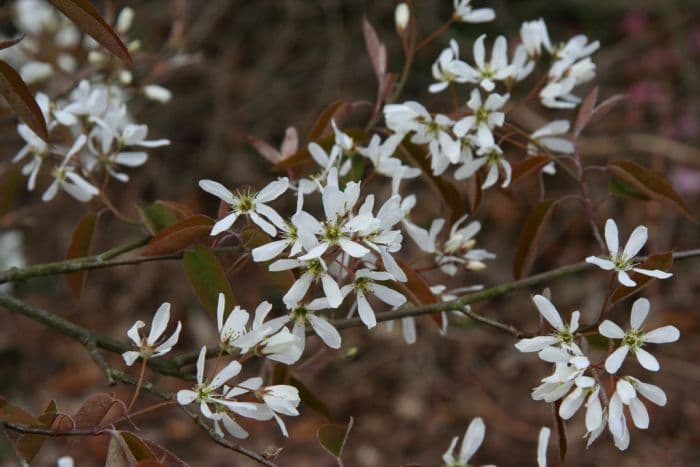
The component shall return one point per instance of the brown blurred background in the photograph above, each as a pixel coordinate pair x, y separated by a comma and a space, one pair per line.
269, 64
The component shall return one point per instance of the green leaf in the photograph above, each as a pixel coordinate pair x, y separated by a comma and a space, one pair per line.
29, 445
334, 436
310, 399
86, 16
158, 216
136, 446
9, 186
20, 98
623, 189
529, 237
444, 188
650, 183
662, 261
179, 235
207, 277
80, 247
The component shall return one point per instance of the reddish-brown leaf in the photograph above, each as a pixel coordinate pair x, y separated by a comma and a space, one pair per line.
266, 150
179, 235
86, 16
20, 98
10, 42
662, 261
323, 122
529, 237
167, 458
444, 188
607, 105
80, 247
375, 49
137, 447
585, 111
651, 183
93, 411
529, 165
29, 445
13, 414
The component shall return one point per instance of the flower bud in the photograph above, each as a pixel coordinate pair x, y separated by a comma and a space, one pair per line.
157, 93
125, 19
476, 266
402, 16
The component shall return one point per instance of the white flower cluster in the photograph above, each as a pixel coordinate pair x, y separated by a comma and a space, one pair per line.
218, 401
576, 381
470, 141
96, 133
472, 440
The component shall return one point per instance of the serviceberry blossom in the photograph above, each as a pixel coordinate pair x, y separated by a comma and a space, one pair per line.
547, 138
365, 282
305, 313
66, 177
484, 118
497, 69
563, 334
282, 399
635, 338
250, 204
315, 269
491, 157
449, 69
557, 94
623, 261
382, 157
588, 391
149, 346
570, 363
535, 37
472, 440
465, 13
626, 395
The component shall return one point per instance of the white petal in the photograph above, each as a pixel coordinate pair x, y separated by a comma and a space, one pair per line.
636, 241
267, 227
224, 224
160, 322
365, 311
662, 335
473, 438
612, 237
659, 274
354, 249
601, 263
389, 296
614, 361
273, 190
611, 330
269, 250
640, 416
218, 190
331, 290
625, 279
297, 291
325, 330
640, 310
201, 359
186, 397
647, 360
535, 344
228, 372
542, 442
130, 357
548, 311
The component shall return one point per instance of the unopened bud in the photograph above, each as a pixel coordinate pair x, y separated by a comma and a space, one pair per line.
476, 266
125, 77
402, 16
96, 57
125, 20
157, 93
134, 46
468, 245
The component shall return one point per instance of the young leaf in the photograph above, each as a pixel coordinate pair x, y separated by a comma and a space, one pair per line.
92, 413
607, 105
29, 445
168, 458
375, 49
585, 112
161, 215
650, 183
334, 436
444, 188
13, 414
80, 247
20, 98
207, 278
117, 454
529, 237
624, 190
323, 122
136, 446
179, 235
86, 16
662, 261
529, 165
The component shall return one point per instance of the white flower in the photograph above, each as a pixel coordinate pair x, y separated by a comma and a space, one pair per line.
473, 438
251, 204
402, 15
492, 157
315, 269
448, 69
65, 177
635, 338
626, 395
563, 333
382, 157
576, 48
589, 391
495, 70
522, 65
535, 36
465, 13
211, 393
485, 117
283, 347
304, 313
557, 94
542, 441
365, 281
569, 366
283, 399
148, 347
546, 137
623, 261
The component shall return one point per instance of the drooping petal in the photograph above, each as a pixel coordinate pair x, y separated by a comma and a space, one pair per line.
625, 279
130, 357
542, 442
640, 416
365, 310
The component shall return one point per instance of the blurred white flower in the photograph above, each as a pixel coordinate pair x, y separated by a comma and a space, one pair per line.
465, 13
149, 346
473, 438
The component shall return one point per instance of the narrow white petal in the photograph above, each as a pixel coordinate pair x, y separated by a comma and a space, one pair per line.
542, 442
612, 237
614, 361
647, 360
218, 190
228, 372
224, 224
473, 438
640, 310
160, 322
662, 335
611, 330
625, 279
601, 262
636, 241
548, 311
325, 330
